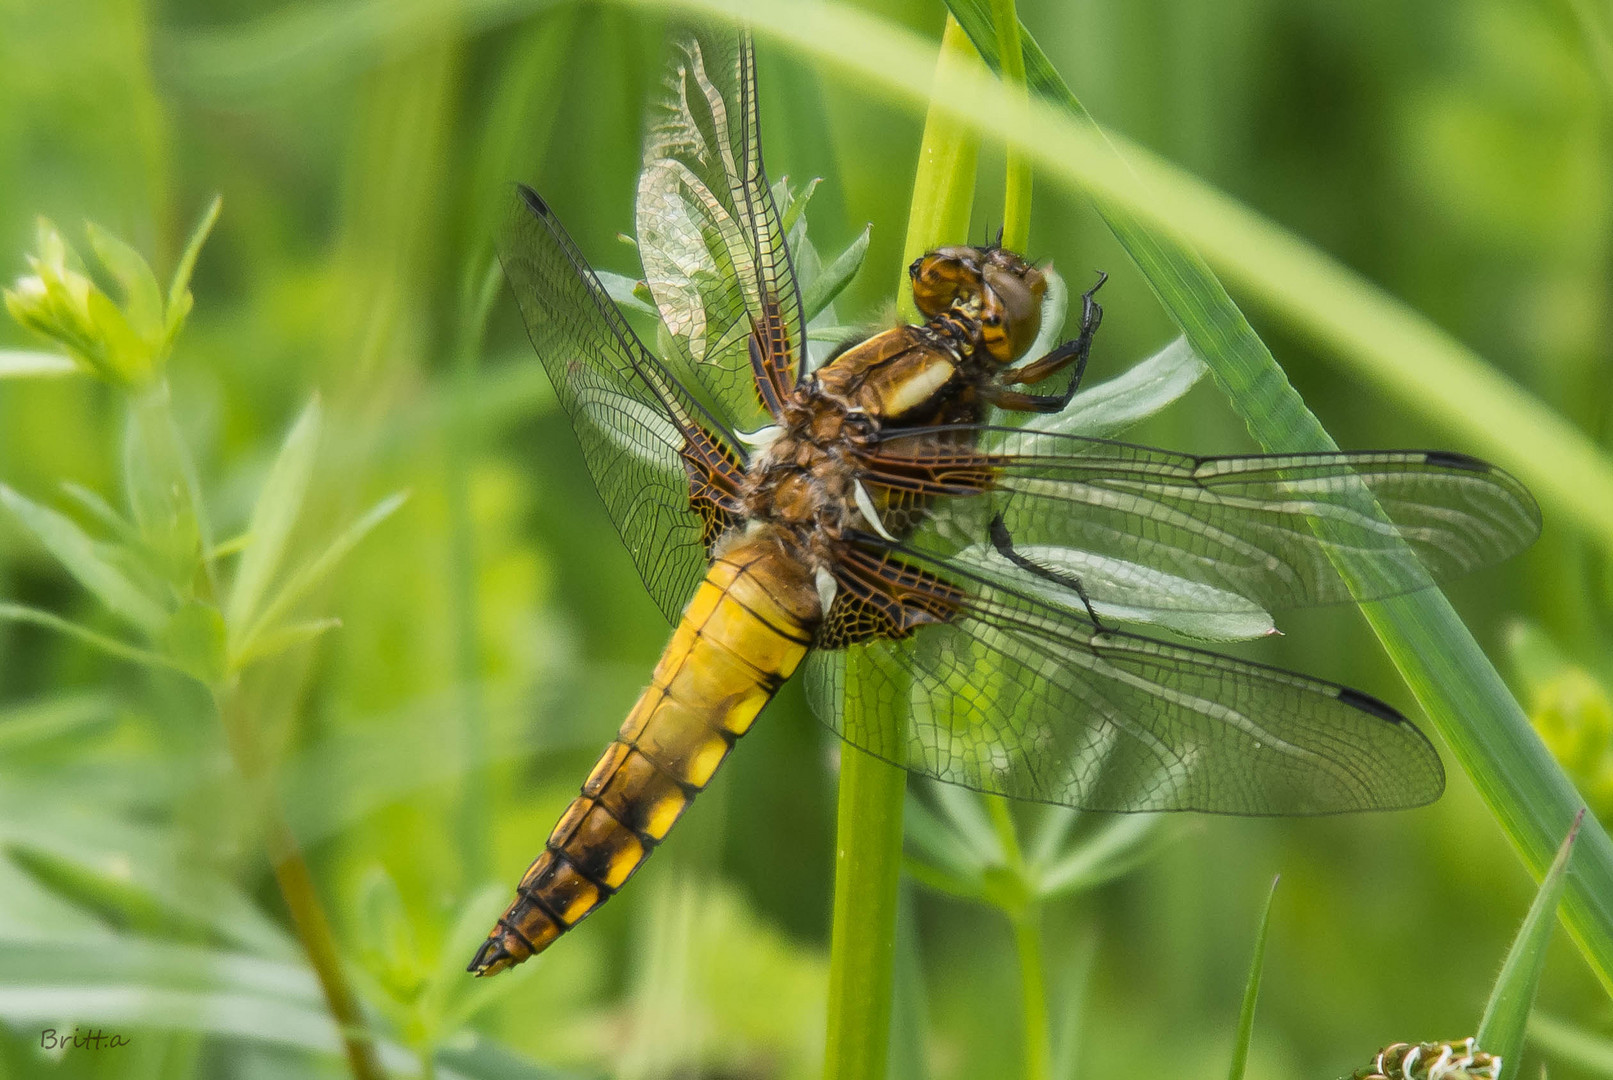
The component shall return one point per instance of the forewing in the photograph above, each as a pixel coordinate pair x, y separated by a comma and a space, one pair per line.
660, 463
710, 236
1026, 699
1231, 535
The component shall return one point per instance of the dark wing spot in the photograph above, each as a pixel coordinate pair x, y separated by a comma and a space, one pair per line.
1450, 459
533, 200
1369, 704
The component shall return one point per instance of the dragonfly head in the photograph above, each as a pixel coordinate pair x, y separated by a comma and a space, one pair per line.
991, 284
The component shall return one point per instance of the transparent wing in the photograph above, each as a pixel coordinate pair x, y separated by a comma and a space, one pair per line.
1230, 535
661, 464
1024, 698
711, 239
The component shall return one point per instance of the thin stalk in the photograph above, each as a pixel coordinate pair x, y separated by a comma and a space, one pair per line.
1017, 185
1024, 911
459, 449
868, 855
296, 884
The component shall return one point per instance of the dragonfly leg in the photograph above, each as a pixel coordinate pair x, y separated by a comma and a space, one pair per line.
1003, 541
1073, 352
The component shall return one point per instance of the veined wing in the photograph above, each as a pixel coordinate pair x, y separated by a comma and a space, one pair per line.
663, 466
1212, 534
711, 239
1021, 697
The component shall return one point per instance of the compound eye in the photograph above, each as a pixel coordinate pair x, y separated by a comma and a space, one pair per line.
993, 320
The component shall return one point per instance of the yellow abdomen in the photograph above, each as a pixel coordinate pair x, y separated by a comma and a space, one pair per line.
740, 638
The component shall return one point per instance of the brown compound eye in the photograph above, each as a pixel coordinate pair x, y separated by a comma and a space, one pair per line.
1014, 311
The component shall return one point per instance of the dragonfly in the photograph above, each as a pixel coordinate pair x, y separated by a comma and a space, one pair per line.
951, 581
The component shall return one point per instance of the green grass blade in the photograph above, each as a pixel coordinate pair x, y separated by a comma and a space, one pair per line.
273, 517
1251, 990
1444, 667
1376, 336
1506, 1014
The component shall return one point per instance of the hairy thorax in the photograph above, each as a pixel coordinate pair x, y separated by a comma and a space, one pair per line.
803, 482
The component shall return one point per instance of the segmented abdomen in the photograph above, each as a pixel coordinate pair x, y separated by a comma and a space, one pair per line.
740, 638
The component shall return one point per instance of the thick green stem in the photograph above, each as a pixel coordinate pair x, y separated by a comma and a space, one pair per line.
296, 884
869, 822
1033, 993
868, 861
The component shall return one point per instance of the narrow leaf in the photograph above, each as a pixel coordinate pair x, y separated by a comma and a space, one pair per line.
273, 518
179, 288
142, 296
833, 279
103, 511
281, 638
1506, 1014
1130, 397
112, 646
1251, 990
28, 364
312, 573
82, 557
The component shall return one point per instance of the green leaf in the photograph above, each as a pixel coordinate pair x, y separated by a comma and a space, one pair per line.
102, 511
307, 577
84, 559
1506, 1014
163, 492
1251, 991
1123, 843
833, 279
30, 724
281, 638
112, 646
179, 298
1139, 392
142, 296
195, 640
625, 291
273, 517
28, 364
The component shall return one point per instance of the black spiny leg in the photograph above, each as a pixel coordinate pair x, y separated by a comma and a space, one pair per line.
1071, 352
1004, 543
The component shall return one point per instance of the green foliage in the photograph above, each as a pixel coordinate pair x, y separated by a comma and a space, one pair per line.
1410, 200
1506, 1014
1251, 992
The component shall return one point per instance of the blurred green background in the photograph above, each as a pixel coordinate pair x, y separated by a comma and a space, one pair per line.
1456, 154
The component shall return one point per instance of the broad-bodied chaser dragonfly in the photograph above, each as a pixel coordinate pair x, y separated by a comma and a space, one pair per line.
951, 579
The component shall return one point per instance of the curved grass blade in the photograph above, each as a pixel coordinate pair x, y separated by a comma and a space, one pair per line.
1251, 990
1506, 1014
1436, 654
